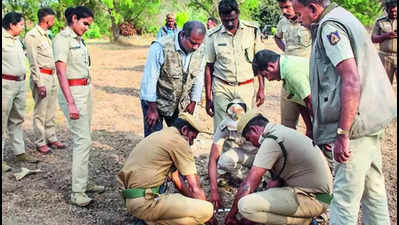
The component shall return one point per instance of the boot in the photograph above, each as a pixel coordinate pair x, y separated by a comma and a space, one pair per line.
80, 199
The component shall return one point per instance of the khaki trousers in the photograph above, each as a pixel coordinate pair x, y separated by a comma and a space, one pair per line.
289, 111
360, 182
170, 209
13, 96
223, 94
285, 205
389, 60
81, 134
44, 110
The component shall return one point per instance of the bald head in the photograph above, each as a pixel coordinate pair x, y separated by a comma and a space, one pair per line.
194, 27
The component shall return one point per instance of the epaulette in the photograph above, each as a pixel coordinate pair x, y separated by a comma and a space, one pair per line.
214, 30
250, 24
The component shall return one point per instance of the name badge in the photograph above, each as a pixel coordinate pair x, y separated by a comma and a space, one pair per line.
222, 44
74, 47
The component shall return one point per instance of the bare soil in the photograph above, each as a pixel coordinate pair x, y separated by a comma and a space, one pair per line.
117, 126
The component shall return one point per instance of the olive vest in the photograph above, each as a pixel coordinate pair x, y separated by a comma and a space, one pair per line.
174, 84
377, 105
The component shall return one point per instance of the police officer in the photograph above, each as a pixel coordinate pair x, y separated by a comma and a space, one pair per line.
352, 103
173, 76
231, 47
13, 92
72, 64
43, 81
385, 33
149, 165
301, 182
211, 23
293, 39
170, 27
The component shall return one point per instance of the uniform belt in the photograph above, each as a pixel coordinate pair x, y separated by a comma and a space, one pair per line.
12, 77
78, 82
235, 83
324, 197
138, 192
46, 71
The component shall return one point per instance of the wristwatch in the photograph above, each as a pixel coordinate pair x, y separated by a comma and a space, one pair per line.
341, 131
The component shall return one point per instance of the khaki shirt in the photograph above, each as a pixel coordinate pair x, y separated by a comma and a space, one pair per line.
40, 52
297, 38
306, 168
70, 49
150, 161
385, 25
13, 60
232, 55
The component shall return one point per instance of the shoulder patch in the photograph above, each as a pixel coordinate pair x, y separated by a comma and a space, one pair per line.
333, 37
215, 29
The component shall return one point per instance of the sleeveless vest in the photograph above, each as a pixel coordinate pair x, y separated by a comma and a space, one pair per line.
174, 84
377, 105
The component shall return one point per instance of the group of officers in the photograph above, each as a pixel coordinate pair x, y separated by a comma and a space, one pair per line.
342, 93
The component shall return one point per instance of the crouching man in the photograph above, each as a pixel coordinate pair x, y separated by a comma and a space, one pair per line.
301, 185
149, 165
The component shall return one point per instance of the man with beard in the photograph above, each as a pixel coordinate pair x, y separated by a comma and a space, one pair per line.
43, 81
161, 155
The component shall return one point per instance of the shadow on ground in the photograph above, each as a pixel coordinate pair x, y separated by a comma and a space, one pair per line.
120, 91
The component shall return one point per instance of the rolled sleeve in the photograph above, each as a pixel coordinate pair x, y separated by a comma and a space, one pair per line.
196, 92
155, 59
339, 49
61, 49
279, 32
268, 154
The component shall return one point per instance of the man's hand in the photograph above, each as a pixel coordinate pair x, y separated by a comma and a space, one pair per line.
260, 97
42, 91
390, 35
341, 149
190, 107
209, 107
216, 200
231, 219
73, 111
152, 114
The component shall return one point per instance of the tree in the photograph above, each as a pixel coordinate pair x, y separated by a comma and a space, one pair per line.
267, 14
365, 10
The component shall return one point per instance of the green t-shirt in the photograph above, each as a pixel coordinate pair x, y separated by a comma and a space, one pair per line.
294, 72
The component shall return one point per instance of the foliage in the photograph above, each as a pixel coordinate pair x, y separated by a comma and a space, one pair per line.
93, 32
365, 10
267, 14
182, 18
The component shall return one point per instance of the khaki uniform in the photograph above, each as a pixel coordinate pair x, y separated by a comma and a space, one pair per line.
70, 49
13, 93
388, 48
306, 174
40, 53
232, 56
238, 154
339, 36
147, 166
298, 41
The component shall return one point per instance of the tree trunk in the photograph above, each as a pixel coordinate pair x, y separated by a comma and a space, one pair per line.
114, 27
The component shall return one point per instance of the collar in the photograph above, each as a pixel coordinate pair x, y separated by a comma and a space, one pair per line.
292, 21
6, 34
327, 10
177, 45
40, 30
73, 34
283, 60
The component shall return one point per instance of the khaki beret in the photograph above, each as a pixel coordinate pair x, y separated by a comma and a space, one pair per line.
244, 120
191, 120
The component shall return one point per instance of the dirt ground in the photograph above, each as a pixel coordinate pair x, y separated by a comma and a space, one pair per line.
44, 198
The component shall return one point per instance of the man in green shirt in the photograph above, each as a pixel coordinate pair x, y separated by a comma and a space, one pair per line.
294, 72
